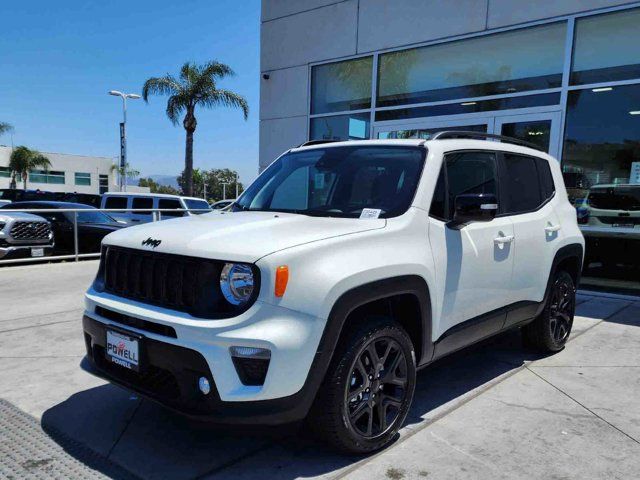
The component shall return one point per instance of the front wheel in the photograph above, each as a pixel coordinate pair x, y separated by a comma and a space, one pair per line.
369, 387
550, 330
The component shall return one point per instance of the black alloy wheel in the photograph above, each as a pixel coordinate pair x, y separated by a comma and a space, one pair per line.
369, 386
378, 387
550, 330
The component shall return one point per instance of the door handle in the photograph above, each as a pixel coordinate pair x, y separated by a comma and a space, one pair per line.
552, 228
504, 239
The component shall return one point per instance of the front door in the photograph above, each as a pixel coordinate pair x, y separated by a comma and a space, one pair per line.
472, 264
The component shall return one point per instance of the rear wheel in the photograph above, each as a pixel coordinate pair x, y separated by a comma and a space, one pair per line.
550, 330
369, 387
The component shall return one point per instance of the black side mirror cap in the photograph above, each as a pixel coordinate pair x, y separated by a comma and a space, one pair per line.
473, 207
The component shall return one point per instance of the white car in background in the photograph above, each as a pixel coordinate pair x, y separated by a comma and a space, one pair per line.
127, 202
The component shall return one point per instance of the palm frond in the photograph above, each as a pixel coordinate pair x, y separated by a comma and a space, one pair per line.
167, 85
216, 70
175, 106
39, 160
5, 127
226, 98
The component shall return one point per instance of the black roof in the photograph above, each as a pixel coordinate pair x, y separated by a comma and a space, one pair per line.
51, 204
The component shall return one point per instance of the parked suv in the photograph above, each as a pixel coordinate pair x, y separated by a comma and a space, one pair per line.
24, 235
610, 221
134, 206
343, 269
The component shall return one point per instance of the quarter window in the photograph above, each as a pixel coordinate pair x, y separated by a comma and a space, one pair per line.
522, 187
546, 179
166, 203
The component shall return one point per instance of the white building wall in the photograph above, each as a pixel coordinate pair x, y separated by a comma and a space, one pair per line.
69, 164
295, 33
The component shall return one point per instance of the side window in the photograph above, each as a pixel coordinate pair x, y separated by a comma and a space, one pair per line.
144, 203
438, 203
170, 203
546, 179
116, 202
469, 172
522, 186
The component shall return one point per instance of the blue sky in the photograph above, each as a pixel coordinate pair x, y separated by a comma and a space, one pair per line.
59, 59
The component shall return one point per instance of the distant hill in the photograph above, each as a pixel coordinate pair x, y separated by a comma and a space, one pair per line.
168, 180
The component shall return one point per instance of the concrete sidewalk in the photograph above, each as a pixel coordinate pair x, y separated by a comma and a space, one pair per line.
493, 411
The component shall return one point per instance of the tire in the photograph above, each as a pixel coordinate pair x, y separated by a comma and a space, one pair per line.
368, 389
550, 330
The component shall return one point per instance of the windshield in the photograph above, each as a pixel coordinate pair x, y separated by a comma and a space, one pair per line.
338, 182
93, 217
197, 205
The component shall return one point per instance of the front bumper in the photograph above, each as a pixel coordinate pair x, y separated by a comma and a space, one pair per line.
177, 350
23, 251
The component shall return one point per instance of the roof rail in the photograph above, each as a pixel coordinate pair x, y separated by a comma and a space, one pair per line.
447, 134
317, 142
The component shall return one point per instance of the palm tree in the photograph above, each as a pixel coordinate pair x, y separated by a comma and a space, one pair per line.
127, 172
5, 127
22, 161
195, 86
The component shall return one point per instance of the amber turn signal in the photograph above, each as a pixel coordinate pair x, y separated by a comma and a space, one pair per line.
282, 277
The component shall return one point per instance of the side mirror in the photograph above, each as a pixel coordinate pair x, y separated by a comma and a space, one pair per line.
473, 207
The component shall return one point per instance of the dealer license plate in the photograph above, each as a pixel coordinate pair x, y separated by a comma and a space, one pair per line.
123, 350
623, 225
37, 252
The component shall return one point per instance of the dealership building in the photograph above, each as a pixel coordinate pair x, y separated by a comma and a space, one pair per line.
562, 74
67, 173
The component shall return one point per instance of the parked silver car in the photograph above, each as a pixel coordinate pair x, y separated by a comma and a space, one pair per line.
24, 235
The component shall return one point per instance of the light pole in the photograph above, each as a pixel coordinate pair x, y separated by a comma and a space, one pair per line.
123, 135
224, 189
236, 185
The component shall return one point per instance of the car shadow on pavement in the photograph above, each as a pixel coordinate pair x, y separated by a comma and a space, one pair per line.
151, 442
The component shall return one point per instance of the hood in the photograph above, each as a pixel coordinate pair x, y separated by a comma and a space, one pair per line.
6, 217
237, 236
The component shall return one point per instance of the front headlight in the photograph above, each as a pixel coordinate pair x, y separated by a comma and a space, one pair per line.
236, 283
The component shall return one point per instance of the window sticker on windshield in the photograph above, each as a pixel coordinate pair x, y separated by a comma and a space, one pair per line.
370, 213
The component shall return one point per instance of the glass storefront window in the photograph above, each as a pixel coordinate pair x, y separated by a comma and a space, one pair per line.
602, 137
470, 107
340, 127
606, 48
508, 62
341, 86
601, 166
5, 172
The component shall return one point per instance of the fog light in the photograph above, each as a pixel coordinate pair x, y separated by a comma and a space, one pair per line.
251, 364
204, 385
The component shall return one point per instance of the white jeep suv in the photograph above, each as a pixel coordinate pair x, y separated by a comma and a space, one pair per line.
342, 270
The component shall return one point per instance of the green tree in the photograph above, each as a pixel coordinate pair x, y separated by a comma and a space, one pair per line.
22, 161
195, 86
214, 178
155, 187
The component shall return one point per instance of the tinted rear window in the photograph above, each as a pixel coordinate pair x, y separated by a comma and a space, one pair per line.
142, 202
615, 198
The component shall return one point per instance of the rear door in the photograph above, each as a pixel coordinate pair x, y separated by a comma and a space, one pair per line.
473, 264
527, 193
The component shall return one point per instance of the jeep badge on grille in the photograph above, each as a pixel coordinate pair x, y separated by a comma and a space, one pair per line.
151, 242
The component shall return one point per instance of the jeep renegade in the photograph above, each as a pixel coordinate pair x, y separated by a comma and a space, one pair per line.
342, 270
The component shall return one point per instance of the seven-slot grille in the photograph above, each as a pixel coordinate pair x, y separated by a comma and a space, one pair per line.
166, 280
30, 231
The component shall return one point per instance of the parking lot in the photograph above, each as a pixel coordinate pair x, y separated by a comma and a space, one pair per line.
494, 411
